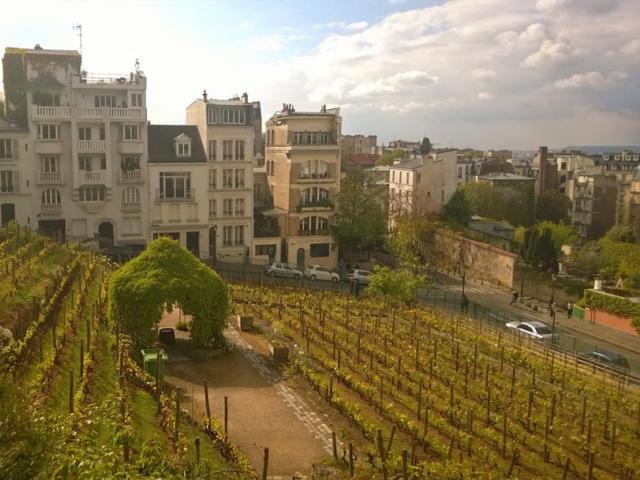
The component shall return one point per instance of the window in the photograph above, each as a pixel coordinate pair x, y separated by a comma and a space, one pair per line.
314, 169
239, 178
239, 149
319, 250
79, 227
131, 132
47, 132
400, 181
212, 115
84, 133
51, 196
131, 197
6, 148
183, 149
131, 226
324, 138
212, 150
103, 162
239, 210
239, 235
213, 208
323, 224
311, 196
212, 179
227, 178
227, 207
105, 101
418, 177
136, 99
233, 115
8, 181
85, 163
49, 164
91, 193
175, 185
227, 236
45, 99
266, 250
102, 133
227, 150
128, 164
314, 224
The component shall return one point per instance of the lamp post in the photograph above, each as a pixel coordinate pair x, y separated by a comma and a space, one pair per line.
215, 245
553, 309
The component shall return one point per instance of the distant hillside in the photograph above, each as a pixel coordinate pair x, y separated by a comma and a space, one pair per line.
596, 149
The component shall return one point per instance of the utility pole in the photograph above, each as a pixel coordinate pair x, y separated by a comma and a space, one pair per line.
78, 28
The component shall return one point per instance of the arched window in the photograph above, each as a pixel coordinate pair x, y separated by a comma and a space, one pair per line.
51, 196
130, 197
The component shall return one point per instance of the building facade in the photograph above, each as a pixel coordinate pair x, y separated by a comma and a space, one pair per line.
358, 144
302, 163
594, 204
228, 129
85, 153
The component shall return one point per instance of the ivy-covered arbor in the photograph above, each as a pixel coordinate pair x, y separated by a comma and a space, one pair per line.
166, 274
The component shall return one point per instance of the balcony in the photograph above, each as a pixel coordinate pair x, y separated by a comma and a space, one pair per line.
133, 147
51, 208
130, 177
188, 196
131, 206
110, 81
315, 178
39, 112
309, 233
97, 177
322, 204
50, 178
104, 113
92, 146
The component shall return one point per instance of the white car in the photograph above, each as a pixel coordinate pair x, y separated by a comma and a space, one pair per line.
533, 329
317, 272
360, 276
283, 270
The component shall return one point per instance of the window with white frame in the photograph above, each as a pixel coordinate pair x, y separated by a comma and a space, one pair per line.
239, 235
315, 169
50, 164
6, 148
313, 195
183, 149
131, 226
91, 193
8, 181
48, 131
175, 185
136, 99
235, 116
131, 198
213, 208
227, 178
227, 207
130, 163
79, 227
227, 236
313, 224
131, 132
212, 150
51, 196
239, 204
239, 178
227, 150
85, 163
105, 101
84, 133
239, 149
213, 180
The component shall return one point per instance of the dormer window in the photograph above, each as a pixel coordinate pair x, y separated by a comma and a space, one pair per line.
183, 145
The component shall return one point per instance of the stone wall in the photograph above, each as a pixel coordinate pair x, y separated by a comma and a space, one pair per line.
481, 262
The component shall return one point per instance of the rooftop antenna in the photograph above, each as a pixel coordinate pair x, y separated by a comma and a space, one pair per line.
78, 28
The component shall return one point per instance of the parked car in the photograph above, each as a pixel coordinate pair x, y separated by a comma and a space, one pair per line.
360, 276
533, 329
283, 270
317, 272
606, 359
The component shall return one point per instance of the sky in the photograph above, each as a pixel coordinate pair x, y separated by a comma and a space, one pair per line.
480, 73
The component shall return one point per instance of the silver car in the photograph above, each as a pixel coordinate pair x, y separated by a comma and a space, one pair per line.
359, 276
533, 329
283, 270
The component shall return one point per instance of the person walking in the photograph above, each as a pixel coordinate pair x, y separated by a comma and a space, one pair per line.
514, 298
569, 309
464, 303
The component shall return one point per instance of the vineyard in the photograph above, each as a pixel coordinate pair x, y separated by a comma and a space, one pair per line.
73, 402
436, 395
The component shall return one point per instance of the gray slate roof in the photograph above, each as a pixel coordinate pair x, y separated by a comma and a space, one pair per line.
162, 147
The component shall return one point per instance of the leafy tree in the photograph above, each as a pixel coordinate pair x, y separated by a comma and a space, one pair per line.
561, 233
622, 233
387, 158
620, 260
538, 248
553, 206
484, 200
166, 274
400, 285
491, 166
425, 146
458, 209
412, 241
360, 220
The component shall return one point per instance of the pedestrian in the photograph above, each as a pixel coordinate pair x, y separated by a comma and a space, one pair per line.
464, 303
569, 309
514, 298
357, 288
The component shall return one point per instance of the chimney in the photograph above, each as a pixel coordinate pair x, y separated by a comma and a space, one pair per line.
542, 170
204, 95
245, 98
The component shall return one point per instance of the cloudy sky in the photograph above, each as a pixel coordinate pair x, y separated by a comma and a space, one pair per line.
483, 73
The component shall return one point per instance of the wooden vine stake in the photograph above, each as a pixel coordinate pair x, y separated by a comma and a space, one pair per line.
197, 442
176, 425
265, 464
351, 459
334, 444
383, 456
71, 391
206, 404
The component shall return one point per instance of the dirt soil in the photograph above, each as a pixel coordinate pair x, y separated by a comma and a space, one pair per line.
260, 415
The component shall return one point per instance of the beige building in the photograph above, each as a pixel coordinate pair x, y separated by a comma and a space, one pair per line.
16, 165
228, 129
422, 184
85, 153
358, 144
303, 170
631, 210
594, 204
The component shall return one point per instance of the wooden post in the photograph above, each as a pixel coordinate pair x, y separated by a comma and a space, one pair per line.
393, 432
206, 403
405, 470
157, 372
590, 464
383, 455
81, 359
351, 459
584, 412
613, 438
177, 422
488, 406
529, 407
504, 436
420, 386
265, 464
197, 442
71, 391
226, 416
565, 470
334, 444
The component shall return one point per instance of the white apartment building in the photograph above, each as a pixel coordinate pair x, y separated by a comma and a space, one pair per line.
228, 129
15, 168
84, 160
422, 184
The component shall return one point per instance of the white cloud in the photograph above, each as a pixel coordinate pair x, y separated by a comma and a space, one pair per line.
553, 52
592, 79
274, 43
353, 26
483, 74
632, 48
394, 84
485, 96
358, 25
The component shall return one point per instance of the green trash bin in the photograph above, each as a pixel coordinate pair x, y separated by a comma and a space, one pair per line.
150, 361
